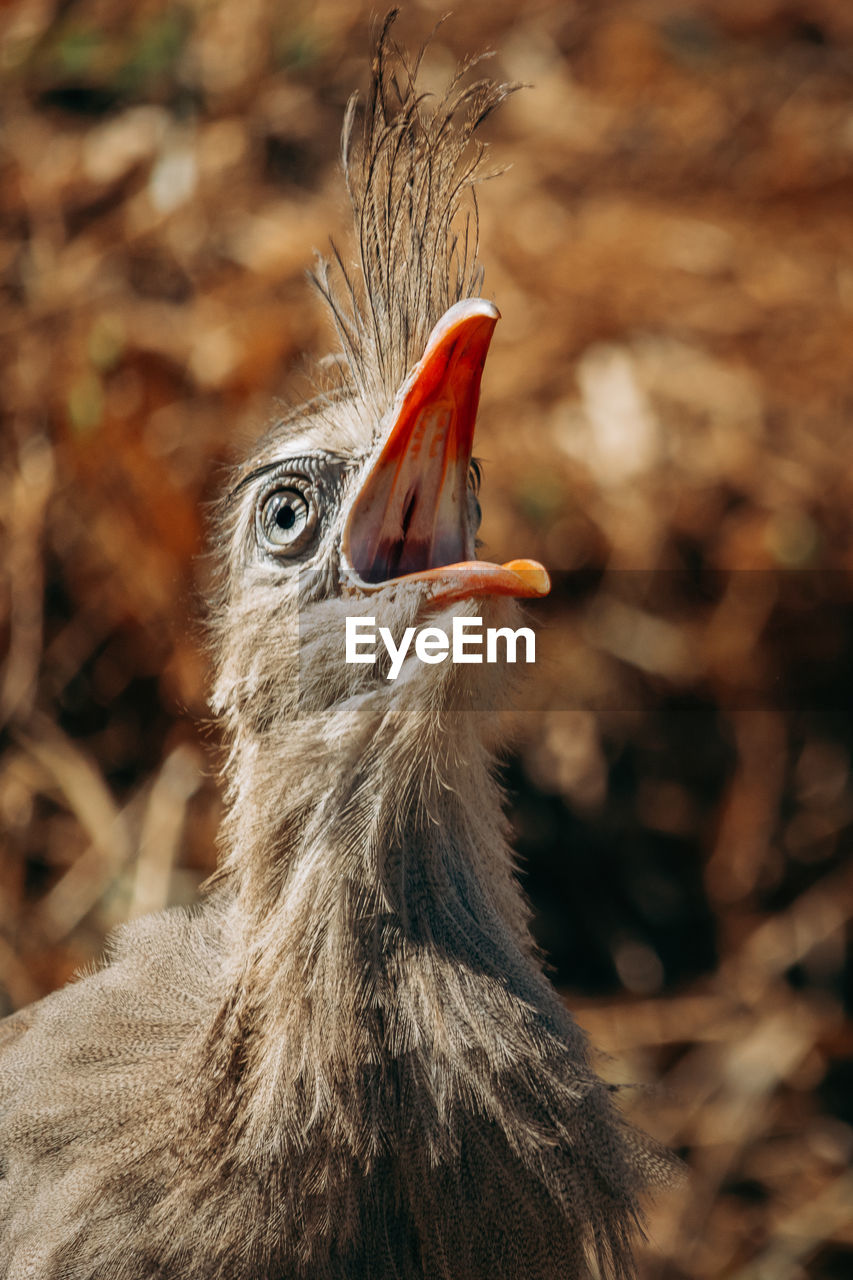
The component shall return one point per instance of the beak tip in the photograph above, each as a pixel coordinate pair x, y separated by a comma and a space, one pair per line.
533, 575
463, 316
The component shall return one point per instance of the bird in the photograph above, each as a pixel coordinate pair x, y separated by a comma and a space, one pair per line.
346, 1060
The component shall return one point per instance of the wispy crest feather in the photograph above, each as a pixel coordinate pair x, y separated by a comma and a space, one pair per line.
408, 171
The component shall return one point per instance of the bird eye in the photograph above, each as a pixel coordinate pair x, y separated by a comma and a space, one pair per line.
286, 519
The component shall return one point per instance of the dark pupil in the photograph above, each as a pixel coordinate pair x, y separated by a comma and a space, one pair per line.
285, 516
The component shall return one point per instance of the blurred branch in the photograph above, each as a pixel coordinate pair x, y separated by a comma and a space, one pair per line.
30, 492
87, 795
165, 815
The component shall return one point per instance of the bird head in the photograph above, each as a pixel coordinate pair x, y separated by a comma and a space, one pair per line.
336, 518
363, 503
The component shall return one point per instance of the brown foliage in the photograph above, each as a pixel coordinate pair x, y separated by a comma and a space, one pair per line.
665, 408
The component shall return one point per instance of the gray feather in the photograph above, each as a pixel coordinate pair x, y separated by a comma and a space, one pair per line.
347, 1061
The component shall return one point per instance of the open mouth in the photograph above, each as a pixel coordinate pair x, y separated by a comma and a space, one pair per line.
411, 520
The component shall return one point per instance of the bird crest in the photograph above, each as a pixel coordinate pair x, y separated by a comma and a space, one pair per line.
411, 163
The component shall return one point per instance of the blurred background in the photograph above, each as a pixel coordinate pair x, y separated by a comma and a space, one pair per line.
665, 423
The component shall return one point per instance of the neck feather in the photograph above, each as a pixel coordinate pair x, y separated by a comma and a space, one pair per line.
382, 995
371, 878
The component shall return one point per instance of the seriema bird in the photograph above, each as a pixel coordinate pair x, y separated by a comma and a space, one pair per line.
346, 1062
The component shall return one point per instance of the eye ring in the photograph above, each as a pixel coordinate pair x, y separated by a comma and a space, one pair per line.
286, 520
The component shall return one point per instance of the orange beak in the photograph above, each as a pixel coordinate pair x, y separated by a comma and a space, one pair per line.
411, 520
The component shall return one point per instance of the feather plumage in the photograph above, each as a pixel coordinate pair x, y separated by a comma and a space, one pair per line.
408, 168
346, 1062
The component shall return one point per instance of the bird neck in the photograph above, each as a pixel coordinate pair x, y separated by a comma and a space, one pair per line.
376, 949
355, 842
374, 798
